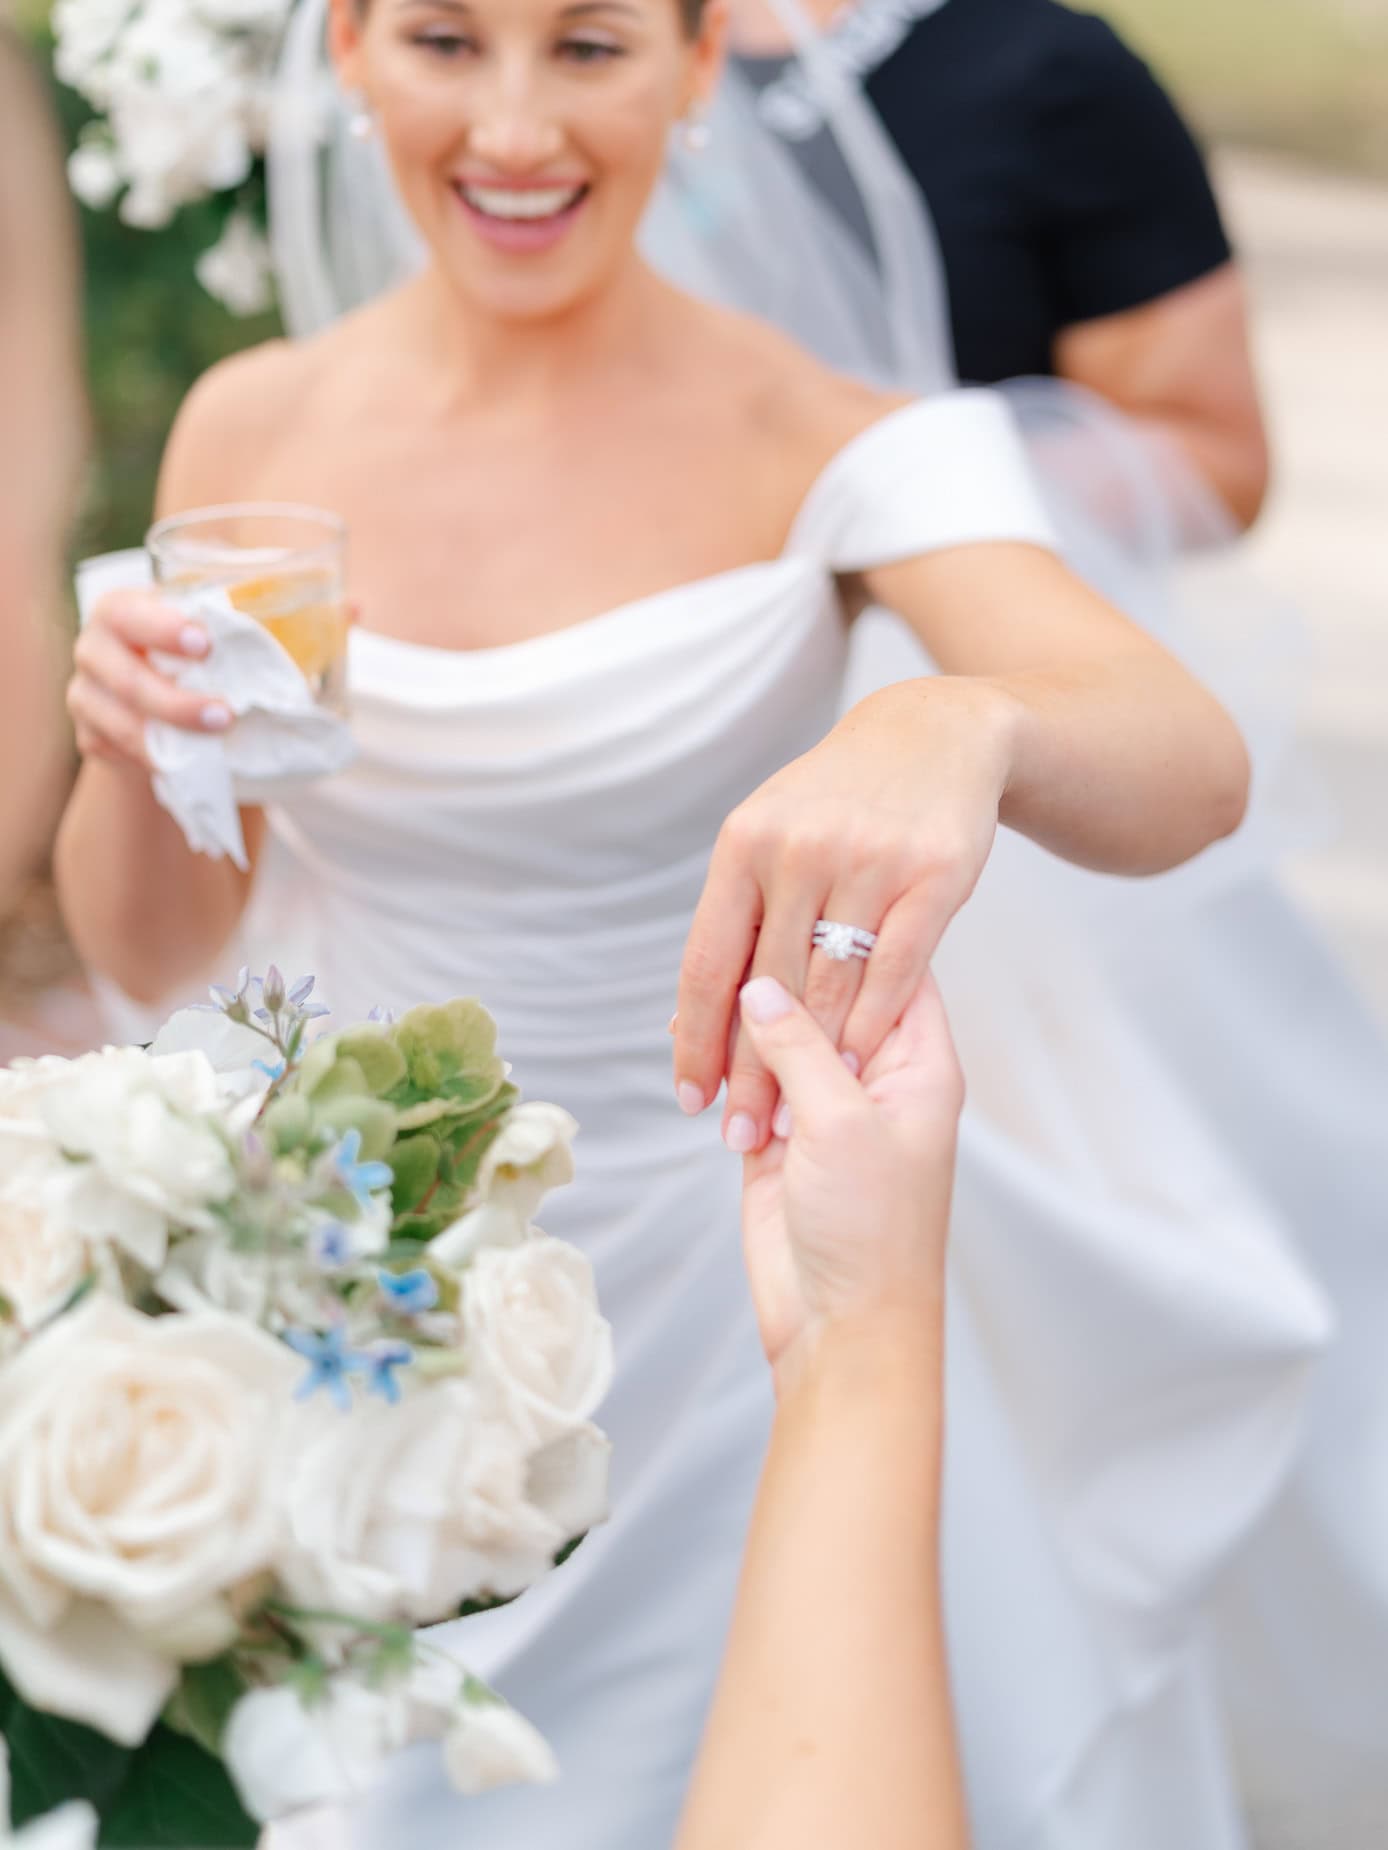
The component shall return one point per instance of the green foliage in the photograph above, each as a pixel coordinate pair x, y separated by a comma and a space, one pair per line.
427, 1093
169, 1794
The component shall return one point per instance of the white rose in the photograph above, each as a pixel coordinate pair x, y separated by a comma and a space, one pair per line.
405, 1512
153, 1154
284, 1757
568, 1480
535, 1334
531, 1154
69, 1827
137, 1484
490, 1745
41, 1262
145, 1134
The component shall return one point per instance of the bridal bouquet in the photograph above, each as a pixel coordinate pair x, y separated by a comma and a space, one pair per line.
181, 94
286, 1371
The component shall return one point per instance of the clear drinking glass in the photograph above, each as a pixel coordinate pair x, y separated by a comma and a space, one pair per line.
282, 565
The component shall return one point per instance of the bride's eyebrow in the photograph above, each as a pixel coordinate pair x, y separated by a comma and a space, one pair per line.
586, 9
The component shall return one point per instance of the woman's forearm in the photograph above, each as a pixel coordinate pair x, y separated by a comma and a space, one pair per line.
1112, 755
832, 1723
139, 905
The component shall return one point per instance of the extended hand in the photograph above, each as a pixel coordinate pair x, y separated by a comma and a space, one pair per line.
849, 1214
886, 825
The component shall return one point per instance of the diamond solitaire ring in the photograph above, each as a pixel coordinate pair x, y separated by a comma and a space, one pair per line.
843, 942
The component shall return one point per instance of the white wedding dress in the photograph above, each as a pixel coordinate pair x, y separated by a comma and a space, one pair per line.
1132, 1342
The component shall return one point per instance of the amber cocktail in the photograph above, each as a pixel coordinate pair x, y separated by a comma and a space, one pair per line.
282, 565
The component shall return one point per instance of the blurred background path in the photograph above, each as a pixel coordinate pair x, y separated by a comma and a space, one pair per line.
1316, 248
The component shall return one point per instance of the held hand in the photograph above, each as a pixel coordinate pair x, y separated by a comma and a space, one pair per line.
848, 1216
886, 825
115, 689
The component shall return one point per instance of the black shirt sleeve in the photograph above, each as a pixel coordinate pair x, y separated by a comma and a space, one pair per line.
1124, 205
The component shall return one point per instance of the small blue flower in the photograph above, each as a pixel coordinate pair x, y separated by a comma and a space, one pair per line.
330, 1362
331, 1246
409, 1293
272, 1073
382, 1014
361, 1179
301, 991
379, 1364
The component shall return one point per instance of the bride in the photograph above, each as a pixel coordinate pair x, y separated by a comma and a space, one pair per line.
605, 542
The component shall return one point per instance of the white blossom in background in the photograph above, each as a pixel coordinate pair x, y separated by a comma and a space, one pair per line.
237, 270
182, 89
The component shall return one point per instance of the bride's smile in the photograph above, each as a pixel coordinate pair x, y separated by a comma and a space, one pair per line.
526, 135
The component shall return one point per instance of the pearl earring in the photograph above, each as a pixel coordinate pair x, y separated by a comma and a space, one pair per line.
697, 135
361, 125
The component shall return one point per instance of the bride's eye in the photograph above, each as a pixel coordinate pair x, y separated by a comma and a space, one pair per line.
589, 51
443, 44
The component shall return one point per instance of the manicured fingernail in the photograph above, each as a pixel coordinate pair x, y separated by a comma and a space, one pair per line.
780, 1124
192, 640
763, 999
671, 1028
851, 1061
741, 1134
690, 1097
215, 717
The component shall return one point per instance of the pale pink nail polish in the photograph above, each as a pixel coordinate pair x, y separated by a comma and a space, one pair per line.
741, 1134
691, 1099
764, 1000
781, 1123
851, 1061
215, 718
192, 640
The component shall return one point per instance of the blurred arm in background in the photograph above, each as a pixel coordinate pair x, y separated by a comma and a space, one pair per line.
42, 429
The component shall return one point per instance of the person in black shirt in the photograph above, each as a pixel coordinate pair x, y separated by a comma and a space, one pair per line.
1078, 229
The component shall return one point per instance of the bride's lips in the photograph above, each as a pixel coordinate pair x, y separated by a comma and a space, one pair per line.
521, 218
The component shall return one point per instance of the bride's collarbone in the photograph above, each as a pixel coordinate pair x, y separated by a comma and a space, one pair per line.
470, 546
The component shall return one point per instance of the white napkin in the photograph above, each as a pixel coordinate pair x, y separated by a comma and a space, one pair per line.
279, 737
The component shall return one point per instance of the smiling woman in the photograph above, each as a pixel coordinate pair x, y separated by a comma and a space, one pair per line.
567, 129
606, 541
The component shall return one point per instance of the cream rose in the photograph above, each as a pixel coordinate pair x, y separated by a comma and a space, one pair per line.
405, 1512
491, 1745
137, 1489
115, 1146
41, 1263
284, 1757
535, 1335
530, 1156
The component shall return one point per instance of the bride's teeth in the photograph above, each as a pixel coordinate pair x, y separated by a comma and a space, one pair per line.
535, 203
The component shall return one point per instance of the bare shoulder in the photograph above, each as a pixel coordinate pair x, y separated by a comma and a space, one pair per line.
225, 420
241, 410
790, 397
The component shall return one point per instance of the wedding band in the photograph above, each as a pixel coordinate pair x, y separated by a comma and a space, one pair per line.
843, 942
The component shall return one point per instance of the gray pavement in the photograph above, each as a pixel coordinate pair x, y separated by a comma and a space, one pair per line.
1316, 250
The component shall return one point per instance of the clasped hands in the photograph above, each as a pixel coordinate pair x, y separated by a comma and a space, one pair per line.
885, 825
